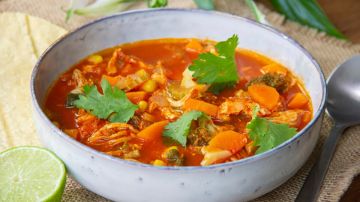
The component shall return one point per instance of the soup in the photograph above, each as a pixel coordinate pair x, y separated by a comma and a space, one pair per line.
179, 102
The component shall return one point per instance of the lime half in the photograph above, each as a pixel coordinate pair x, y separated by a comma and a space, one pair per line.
31, 174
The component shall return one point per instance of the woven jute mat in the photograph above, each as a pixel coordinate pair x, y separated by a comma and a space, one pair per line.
328, 51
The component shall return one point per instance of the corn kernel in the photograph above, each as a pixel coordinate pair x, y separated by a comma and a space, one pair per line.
158, 162
149, 86
95, 59
143, 105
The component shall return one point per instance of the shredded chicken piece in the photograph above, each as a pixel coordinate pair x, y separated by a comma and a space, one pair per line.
112, 134
158, 100
239, 155
87, 124
127, 151
169, 113
240, 103
292, 118
80, 79
116, 62
187, 80
130, 82
159, 74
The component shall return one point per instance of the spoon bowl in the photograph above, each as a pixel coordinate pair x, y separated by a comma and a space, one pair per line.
344, 92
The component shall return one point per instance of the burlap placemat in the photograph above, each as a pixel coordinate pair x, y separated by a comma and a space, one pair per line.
328, 51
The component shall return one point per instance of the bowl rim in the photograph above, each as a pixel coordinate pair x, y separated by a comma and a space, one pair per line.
250, 159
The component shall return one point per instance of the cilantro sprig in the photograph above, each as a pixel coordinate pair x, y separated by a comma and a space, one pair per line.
220, 70
179, 129
266, 134
112, 104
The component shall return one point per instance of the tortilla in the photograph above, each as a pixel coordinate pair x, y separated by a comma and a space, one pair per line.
22, 39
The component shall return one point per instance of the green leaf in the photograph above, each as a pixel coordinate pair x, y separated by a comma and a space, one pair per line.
112, 104
205, 4
220, 71
307, 12
157, 3
266, 134
179, 129
260, 17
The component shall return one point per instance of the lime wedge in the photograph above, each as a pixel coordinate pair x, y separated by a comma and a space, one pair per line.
31, 174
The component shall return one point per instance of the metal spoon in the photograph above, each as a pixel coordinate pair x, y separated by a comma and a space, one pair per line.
343, 106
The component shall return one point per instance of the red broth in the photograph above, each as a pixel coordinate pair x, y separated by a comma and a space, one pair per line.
172, 57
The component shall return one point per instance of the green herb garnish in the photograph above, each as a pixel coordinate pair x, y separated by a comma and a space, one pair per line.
266, 134
179, 129
112, 104
157, 3
220, 70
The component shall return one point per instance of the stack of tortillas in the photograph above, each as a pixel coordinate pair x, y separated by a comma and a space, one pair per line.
22, 39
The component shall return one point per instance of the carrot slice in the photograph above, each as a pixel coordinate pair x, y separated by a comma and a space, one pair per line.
299, 100
112, 79
153, 131
136, 97
274, 68
207, 108
229, 140
264, 95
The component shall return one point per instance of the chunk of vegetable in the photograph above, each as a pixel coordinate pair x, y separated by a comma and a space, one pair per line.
229, 140
112, 79
136, 97
264, 95
142, 74
158, 162
250, 147
199, 105
173, 156
143, 105
95, 59
299, 100
212, 156
149, 86
70, 99
278, 81
153, 131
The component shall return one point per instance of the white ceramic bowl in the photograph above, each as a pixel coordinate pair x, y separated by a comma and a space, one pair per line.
121, 180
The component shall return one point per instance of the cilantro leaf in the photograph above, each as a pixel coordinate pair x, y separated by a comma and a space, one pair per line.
112, 104
266, 134
179, 129
220, 71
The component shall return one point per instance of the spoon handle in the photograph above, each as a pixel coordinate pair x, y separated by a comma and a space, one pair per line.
311, 187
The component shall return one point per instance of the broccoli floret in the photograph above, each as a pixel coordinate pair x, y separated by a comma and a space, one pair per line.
275, 80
